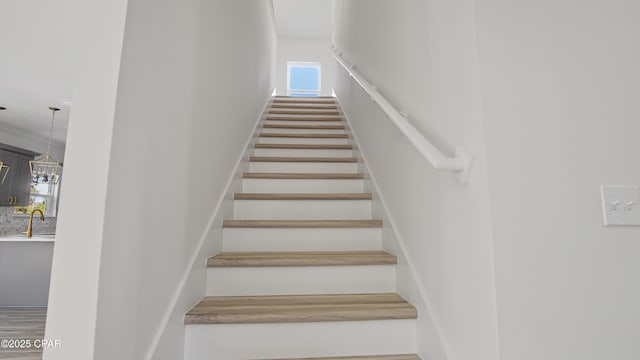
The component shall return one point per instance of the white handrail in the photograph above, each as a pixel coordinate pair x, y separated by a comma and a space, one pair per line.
461, 163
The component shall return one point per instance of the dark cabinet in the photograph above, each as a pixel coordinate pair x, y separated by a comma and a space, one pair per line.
14, 191
9, 160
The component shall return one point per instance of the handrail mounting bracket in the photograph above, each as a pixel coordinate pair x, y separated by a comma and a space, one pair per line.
468, 159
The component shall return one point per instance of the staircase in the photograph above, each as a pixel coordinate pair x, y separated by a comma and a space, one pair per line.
302, 274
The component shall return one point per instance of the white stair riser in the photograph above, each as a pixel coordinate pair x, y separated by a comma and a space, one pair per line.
302, 186
309, 106
293, 340
302, 131
282, 99
284, 280
304, 152
303, 122
302, 167
301, 239
305, 106
297, 100
302, 209
285, 108
282, 140
311, 101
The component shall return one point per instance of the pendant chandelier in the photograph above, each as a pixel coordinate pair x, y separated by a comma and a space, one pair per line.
3, 167
44, 169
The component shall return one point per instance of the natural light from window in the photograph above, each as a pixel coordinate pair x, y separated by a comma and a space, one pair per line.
43, 196
303, 78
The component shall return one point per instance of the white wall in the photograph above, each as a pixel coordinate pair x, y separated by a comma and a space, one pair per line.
36, 67
73, 292
188, 96
551, 87
560, 85
422, 56
294, 49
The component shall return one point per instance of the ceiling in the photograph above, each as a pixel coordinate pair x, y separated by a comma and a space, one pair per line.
308, 19
36, 39
35, 66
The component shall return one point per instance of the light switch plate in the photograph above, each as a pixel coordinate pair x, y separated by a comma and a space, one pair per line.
620, 205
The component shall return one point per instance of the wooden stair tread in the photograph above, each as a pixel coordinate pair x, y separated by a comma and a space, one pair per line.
305, 146
303, 111
301, 258
303, 159
320, 176
302, 223
364, 357
302, 196
299, 308
299, 117
304, 98
304, 127
306, 136
303, 105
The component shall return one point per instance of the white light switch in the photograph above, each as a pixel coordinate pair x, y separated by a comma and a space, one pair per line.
620, 205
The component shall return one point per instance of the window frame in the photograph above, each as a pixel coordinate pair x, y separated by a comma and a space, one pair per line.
303, 64
52, 198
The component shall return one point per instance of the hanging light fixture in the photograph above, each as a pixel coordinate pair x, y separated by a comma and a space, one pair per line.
44, 169
3, 167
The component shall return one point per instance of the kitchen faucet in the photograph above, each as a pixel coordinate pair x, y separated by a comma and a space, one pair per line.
30, 227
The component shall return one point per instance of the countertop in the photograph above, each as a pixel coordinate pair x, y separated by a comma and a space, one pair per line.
23, 238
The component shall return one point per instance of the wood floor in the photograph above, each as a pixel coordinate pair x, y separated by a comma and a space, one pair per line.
22, 323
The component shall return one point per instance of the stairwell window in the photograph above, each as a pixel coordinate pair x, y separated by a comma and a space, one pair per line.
303, 78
